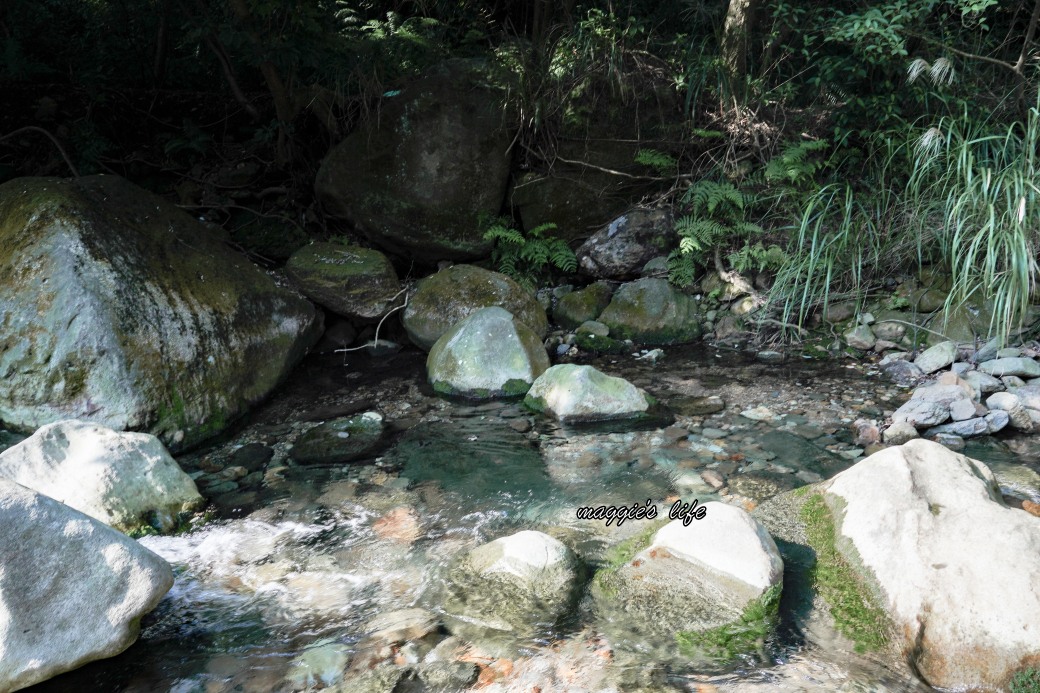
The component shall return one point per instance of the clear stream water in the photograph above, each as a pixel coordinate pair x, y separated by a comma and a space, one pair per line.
299, 565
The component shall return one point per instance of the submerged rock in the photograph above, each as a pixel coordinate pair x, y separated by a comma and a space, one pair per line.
126, 480
489, 354
652, 311
118, 308
928, 529
424, 175
340, 440
709, 588
73, 590
581, 393
352, 281
510, 590
444, 299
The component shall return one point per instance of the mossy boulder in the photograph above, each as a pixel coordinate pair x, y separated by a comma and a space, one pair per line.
582, 305
706, 589
423, 176
652, 311
340, 440
508, 592
489, 354
352, 281
966, 323
444, 299
621, 248
120, 309
570, 392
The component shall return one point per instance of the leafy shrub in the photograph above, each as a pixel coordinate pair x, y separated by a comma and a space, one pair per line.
529, 258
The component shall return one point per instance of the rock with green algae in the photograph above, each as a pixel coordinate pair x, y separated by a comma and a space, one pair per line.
570, 392
582, 305
118, 308
444, 299
489, 354
423, 177
349, 280
126, 480
340, 440
652, 311
706, 589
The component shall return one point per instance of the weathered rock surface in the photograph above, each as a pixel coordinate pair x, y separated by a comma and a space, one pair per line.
511, 589
119, 308
444, 299
352, 281
424, 175
340, 440
1018, 417
571, 392
929, 405
928, 527
72, 590
861, 337
1016, 366
620, 249
126, 480
489, 354
689, 581
937, 357
652, 311
582, 305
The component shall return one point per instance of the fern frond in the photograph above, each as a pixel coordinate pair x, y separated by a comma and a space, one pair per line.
681, 269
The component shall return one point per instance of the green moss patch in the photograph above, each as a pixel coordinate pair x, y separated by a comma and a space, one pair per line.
747, 633
856, 613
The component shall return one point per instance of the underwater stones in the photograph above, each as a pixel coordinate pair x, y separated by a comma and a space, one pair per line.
118, 308
927, 528
620, 249
423, 177
73, 589
690, 583
349, 280
652, 311
510, 590
574, 393
444, 299
340, 440
126, 480
582, 305
488, 354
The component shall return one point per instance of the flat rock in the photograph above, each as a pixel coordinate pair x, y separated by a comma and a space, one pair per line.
937, 357
571, 392
1020, 367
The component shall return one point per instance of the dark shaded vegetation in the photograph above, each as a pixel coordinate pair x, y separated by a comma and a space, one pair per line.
835, 134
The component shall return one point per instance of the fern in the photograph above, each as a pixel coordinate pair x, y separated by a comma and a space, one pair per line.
708, 197
757, 258
796, 164
527, 259
659, 161
681, 269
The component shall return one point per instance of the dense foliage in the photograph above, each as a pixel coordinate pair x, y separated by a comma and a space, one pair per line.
845, 139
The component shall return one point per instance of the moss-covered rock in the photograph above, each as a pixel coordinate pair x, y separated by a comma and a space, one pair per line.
576, 393
489, 354
424, 176
352, 281
652, 311
118, 308
707, 590
444, 299
582, 305
340, 440
509, 591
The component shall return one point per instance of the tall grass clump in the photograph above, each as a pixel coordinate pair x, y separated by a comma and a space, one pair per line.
982, 187
965, 195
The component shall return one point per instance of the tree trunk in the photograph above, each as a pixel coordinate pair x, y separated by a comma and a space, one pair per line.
740, 18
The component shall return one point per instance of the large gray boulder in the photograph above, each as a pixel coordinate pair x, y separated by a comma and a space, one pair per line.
954, 567
126, 480
352, 281
489, 354
424, 175
510, 590
652, 311
707, 587
621, 248
570, 392
444, 299
72, 590
119, 308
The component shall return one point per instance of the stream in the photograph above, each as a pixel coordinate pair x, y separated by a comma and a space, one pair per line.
276, 590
